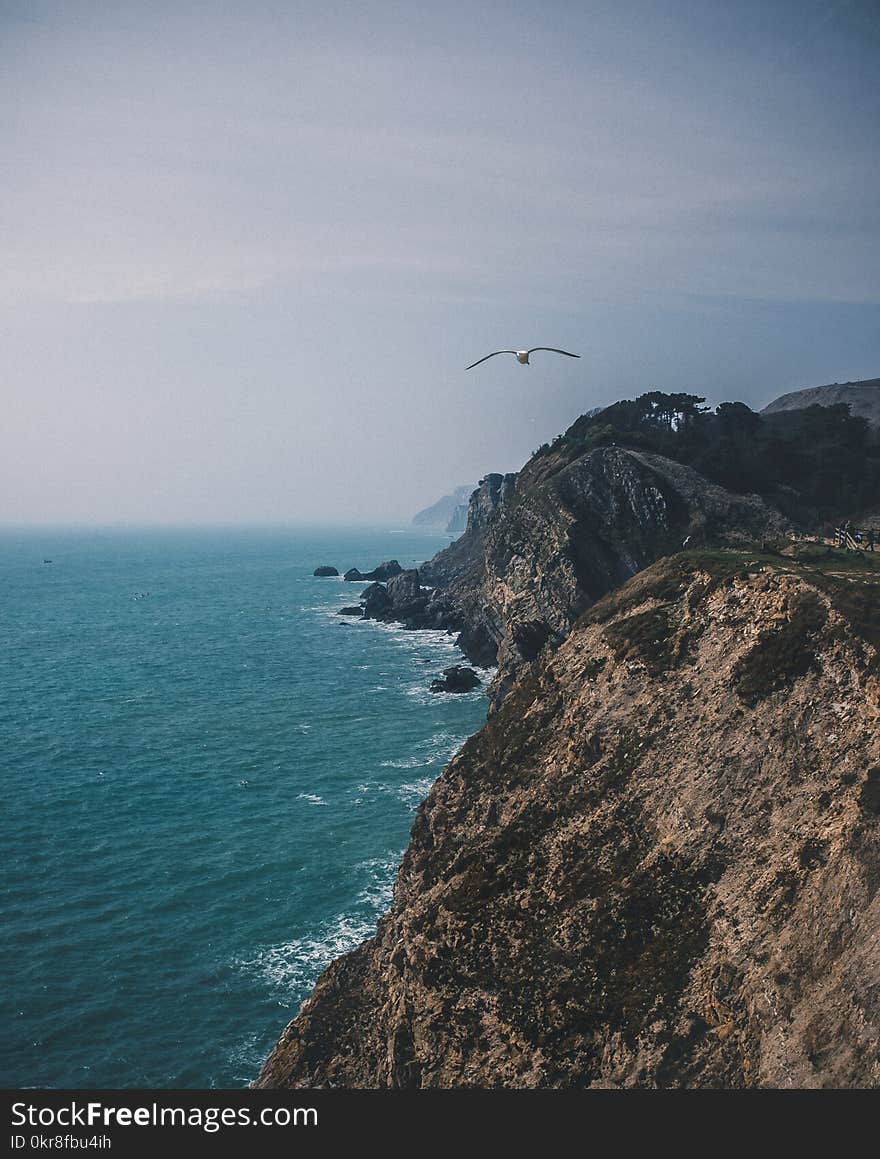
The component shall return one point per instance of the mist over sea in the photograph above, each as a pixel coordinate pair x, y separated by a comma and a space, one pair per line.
208, 780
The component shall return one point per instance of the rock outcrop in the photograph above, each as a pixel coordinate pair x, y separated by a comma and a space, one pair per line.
659, 862
384, 571
376, 602
401, 599
326, 570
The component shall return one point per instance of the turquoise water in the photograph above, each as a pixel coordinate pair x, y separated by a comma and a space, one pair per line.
208, 781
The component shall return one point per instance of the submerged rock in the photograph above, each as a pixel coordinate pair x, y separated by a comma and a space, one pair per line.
325, 570
351, 611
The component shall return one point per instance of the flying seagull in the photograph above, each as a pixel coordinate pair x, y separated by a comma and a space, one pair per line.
522, 355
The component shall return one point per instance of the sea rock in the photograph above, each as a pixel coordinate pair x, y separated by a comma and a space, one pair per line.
351, 611
325, 570
458, 678
402, 600
384, 571
409, 600
404, 587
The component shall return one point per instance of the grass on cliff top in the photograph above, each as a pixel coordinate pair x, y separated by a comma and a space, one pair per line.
851, 579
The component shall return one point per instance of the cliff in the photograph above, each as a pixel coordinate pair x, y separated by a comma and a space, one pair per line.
658, 863
627, 485
541, 547
458, 520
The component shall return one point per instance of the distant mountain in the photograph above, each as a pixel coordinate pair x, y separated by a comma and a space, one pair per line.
863, 398
446, 513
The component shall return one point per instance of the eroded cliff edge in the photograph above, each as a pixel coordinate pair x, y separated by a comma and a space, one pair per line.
542, 546
658, 863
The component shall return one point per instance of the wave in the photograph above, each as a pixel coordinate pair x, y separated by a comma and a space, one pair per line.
442, 746
378, 892
406, 763
414, 793
312, 798
294, 967
246, 1060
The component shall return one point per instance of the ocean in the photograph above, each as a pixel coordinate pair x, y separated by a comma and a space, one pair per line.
208, 781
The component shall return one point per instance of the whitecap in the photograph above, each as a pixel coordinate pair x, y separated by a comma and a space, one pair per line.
378, 890
248, 1057
312, 798
442, 746
294, 966
414, 793
424, 695
407, 763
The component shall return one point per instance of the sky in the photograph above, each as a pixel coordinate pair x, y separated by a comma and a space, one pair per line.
247, 250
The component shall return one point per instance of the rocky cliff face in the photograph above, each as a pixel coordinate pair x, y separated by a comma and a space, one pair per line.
543, 546
658, 864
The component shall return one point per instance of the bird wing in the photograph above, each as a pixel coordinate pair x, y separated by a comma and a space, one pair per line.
492, 355
554, 351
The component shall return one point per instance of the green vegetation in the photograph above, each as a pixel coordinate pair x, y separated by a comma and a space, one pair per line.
817, 465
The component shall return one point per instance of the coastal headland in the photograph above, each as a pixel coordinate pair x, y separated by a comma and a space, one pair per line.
658, 863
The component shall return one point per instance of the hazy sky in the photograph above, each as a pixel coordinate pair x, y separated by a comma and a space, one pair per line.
247, 250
